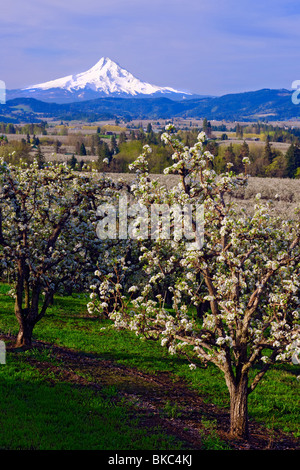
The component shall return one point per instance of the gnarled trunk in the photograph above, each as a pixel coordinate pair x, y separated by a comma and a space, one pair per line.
27, 309
239, 408
29, 317
24, 337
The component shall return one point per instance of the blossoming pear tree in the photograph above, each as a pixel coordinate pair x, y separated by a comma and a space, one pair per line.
47, 235
247, 269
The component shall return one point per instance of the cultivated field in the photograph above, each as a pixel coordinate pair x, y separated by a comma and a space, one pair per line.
284, 192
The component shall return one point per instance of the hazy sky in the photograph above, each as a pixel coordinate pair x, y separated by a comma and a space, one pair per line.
203, 46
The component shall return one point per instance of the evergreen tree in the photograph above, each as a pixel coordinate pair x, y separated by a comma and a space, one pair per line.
132, 135
206, 127
57, 146
104, 152
82, 150
73, 162
244, 153
95, 141
150, 135
35, 140
114, 146
293, 160
229, 154
149, 128
40, 157
141, 135
122, 138
268, 153
239, 131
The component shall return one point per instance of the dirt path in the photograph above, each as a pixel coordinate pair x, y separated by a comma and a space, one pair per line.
162, 399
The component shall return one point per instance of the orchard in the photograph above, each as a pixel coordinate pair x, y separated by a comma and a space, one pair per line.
189, 271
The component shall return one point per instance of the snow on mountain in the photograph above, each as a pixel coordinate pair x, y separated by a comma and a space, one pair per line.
106, 78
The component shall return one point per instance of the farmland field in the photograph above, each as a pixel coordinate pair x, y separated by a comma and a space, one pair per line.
283, 192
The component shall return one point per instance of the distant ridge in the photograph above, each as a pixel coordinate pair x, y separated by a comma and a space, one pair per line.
262, 105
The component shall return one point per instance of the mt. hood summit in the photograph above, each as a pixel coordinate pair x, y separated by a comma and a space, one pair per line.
105, 79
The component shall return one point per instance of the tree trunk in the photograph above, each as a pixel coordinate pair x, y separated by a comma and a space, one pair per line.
51, 298
203, 308
239, 409
24, 338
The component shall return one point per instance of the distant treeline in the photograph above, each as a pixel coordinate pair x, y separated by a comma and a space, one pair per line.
275, 133
116, 152
265, 161
9, 128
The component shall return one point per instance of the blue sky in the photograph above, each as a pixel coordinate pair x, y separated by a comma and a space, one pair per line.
203, 46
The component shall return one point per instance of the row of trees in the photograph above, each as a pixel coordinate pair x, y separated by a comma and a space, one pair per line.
274, 133
36, 128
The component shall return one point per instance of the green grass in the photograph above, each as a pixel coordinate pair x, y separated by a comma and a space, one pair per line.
210, 438
39, 416
274, 402
36, 413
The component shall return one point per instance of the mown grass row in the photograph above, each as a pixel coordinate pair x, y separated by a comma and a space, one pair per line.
38, 416
33, 415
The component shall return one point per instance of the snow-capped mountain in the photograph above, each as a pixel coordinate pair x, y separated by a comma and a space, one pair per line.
106, 78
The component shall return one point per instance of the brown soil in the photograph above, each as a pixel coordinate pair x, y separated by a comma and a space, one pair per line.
157, 400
